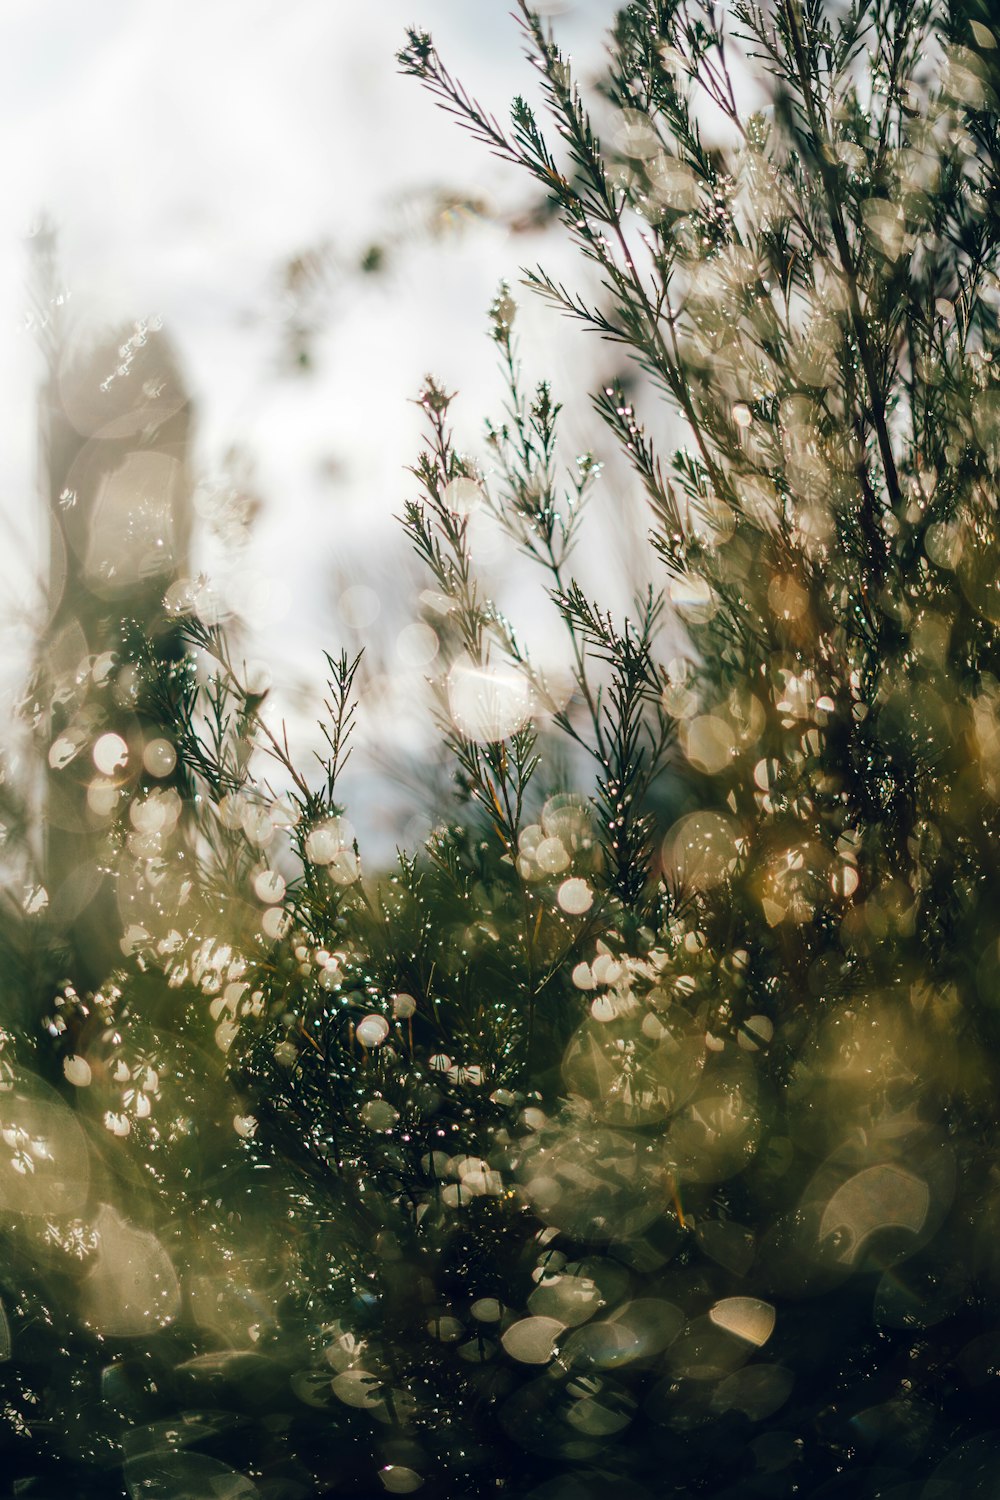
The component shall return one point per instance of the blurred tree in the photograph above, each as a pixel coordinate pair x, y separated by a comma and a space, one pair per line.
84, 753
114, 461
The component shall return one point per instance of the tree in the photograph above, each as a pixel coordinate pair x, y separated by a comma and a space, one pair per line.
639, 1131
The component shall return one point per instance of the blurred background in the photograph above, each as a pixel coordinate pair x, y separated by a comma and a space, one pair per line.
246, 210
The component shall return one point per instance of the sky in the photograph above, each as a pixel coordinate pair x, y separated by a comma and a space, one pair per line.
184, 154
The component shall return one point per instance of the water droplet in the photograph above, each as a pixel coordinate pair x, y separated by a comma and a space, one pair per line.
269, 886
275, 922
159, 757
324, 842
357, 1388
399, 1480
551, 856
575, 896
110, 753
62, 751
379, 1115
462, 495
372, 1031
747, 1317
532, 1341
488, 703
77, 1071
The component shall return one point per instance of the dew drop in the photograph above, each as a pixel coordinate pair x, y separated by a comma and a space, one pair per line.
159, 757
399, 1480
269, 887
77, 1071
274, 923
372, 1031
747, 1317
110, 753
575, 896
532, 1341
61, 752
378, 1115
462, 495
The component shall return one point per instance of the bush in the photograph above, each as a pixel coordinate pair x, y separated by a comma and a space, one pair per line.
639, 1130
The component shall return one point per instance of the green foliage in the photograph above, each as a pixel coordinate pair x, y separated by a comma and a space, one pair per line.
640, 1128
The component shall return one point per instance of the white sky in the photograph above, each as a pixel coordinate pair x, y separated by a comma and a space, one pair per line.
184, 152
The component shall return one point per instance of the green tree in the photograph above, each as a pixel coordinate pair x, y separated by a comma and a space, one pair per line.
639, 1131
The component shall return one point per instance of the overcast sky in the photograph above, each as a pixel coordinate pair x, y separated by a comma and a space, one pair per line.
184, 154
